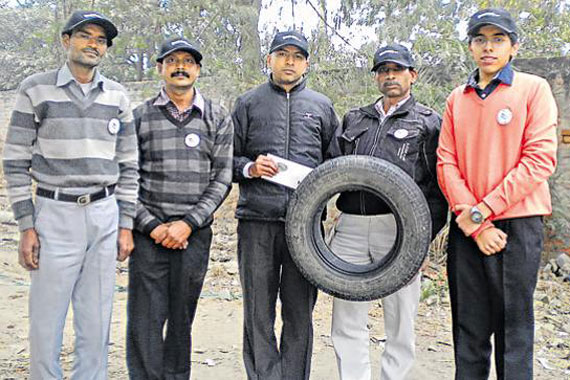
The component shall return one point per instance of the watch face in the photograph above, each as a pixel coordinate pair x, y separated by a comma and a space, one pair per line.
476, 217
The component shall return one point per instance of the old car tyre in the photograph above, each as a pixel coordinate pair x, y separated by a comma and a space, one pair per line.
320, 265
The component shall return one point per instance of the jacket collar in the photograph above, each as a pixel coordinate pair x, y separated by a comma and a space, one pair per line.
371, 111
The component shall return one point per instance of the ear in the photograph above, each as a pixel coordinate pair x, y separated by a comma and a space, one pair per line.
414, 75
268, 60
65, 40
514, 50
159, 68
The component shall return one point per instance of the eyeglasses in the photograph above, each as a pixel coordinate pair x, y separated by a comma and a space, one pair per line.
384, 70
85, 37
297, 56
495, 40
171, 61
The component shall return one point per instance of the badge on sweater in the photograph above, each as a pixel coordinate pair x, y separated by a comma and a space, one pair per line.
192, 140
504, 116
113, 126
401, 133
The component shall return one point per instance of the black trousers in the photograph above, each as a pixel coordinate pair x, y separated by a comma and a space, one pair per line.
493, 295
266, 271
164, 287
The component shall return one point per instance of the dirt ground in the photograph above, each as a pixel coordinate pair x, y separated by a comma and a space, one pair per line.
217, 329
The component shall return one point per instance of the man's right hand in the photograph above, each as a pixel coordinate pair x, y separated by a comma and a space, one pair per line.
263, 165
491, 241
29, 249
159, 233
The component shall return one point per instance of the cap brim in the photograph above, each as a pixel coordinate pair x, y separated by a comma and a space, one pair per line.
110, 29
195, 53
297, 45
396, 61
478, 26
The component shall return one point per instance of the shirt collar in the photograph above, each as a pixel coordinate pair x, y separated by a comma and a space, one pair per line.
505, 75
380, 106
198, 101
64, 77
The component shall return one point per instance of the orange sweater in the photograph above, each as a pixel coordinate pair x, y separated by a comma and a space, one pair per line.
502, 160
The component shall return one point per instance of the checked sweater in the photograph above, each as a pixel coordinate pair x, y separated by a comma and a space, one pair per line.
185, 166
63, 139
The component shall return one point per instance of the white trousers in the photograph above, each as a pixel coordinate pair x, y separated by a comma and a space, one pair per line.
78, 250
362, 240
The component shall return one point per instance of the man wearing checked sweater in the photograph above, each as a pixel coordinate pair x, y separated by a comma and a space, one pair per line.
72, 133
186, 145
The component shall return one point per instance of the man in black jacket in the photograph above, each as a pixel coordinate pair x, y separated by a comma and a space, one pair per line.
283, 118
397, 129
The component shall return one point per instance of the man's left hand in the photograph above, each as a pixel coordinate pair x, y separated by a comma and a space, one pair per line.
178, 234
125, 243
463, 219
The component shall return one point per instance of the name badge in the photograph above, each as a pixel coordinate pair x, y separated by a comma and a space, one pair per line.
192, 140
504, 116
113, 126
401, 133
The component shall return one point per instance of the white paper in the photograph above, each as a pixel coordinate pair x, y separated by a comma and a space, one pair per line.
290, 173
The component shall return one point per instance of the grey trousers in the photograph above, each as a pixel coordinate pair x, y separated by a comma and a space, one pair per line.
362, 240
78, 250
266, 271
164, 288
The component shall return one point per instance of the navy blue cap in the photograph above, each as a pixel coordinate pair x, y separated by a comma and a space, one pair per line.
79, 18
395, 53
491, 16
178, 44
290, 38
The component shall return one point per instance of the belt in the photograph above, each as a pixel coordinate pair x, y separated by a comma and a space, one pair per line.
80, 199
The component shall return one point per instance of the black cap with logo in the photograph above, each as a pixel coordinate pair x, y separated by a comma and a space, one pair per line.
290, 38
178, 44
395, 53
79, 18
492, 16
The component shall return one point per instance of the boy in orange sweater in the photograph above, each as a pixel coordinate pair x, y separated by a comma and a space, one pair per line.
497, 148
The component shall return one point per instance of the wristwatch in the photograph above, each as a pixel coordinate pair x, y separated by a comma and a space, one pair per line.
476, 215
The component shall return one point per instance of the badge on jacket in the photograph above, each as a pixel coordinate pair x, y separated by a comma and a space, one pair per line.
192, 140
401, 133
113, 126
504, 116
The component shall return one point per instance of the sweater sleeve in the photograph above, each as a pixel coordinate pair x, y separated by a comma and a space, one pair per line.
220, 177
126, 155
538, 152
17, 160
450, 179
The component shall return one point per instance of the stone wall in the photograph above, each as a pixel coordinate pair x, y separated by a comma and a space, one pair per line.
557, 72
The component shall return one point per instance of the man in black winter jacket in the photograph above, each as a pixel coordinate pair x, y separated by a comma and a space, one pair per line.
283, 118
397, 129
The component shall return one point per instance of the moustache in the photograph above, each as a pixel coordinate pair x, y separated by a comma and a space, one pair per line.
178, 73
392, 83
91, 50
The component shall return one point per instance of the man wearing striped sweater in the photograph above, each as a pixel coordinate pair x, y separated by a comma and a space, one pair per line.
186, 144
72, 133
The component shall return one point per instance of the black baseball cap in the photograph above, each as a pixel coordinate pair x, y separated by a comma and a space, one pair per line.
79, 18
178, 44
491, 16
290, 38
395, 53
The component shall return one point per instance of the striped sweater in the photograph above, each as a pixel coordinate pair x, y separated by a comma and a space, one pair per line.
64, 139
185, 166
